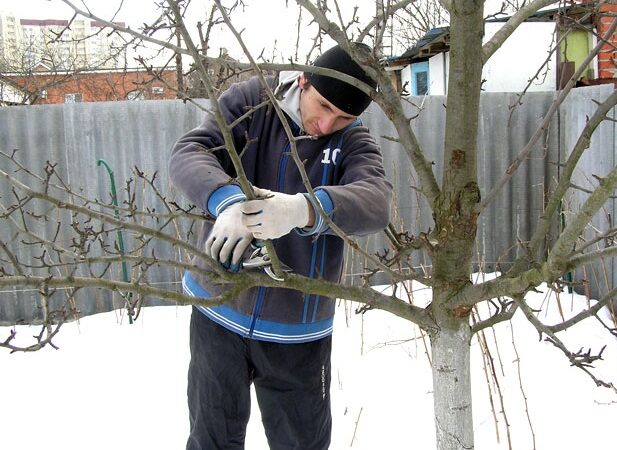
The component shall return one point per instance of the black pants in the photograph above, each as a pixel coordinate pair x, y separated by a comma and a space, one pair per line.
292, 383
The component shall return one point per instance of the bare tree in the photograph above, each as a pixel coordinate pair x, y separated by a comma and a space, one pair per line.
456, 204
20, 62
41, 62
410, 24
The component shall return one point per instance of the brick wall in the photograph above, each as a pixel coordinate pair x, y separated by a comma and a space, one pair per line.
48, 88
607, 58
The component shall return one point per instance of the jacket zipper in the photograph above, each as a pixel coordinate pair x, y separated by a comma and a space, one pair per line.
307, 297
261, 291
256, 310
321, 268
283, 167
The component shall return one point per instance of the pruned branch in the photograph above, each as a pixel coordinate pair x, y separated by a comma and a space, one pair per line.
580, 359
590, 312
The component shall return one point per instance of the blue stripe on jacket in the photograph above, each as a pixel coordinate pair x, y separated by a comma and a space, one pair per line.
264, 330
223, 197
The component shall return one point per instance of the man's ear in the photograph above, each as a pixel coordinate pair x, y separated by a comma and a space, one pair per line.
302, 81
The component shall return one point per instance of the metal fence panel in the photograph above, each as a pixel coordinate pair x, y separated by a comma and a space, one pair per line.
596, 162
129, 134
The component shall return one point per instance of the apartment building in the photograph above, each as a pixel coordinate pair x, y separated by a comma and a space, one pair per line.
11, 36
26, 44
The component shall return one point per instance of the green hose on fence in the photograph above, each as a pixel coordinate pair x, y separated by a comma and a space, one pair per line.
114, 200
568, 276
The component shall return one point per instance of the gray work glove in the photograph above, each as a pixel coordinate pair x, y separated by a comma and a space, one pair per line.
274, 214
229, 238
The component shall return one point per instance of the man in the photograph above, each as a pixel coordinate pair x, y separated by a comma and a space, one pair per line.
276, 338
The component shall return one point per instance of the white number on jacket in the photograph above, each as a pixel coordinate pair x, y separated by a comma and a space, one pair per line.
330, 155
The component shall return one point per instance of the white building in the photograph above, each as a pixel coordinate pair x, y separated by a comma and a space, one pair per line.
523, 62
10, 94
11, 36
58, 44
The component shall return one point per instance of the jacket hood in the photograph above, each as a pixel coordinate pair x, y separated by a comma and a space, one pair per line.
288, 95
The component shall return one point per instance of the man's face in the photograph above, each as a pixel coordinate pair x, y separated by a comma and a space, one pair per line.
319, 116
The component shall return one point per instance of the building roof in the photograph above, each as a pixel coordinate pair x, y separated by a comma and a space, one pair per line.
432, 43
62, 23
548, 14
436, 41
46, 70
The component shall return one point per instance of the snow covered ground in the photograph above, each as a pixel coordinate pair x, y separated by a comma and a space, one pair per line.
121, 386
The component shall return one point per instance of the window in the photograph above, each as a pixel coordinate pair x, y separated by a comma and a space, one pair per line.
43, 93
158, 90
420, 80
72, 98
135, 95
421, 83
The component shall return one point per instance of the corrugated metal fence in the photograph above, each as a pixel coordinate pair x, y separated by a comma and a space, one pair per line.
129, 134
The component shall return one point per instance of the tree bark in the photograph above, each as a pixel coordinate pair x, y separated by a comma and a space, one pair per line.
455, 230
452, 388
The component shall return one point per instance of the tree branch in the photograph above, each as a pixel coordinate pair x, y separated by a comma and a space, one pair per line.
576, 359
557, 260
588, 258
515, 164
127, 30
501, 316
502, 286
582, 144
382, 17
389, 100
245, 280
111, 220
222, 123
592, 311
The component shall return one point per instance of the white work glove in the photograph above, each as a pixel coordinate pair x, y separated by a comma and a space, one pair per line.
229, 238
275, 214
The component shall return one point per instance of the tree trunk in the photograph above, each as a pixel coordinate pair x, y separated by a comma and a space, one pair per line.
455, 230
452, 388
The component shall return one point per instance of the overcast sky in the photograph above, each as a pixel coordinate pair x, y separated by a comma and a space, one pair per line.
262, 32
268, 25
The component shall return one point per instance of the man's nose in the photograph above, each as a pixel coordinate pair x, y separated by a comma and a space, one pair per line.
326, 124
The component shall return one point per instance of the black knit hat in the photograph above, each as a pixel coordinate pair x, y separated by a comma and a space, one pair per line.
344, 96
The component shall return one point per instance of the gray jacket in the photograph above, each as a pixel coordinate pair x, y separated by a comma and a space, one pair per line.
348, 178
